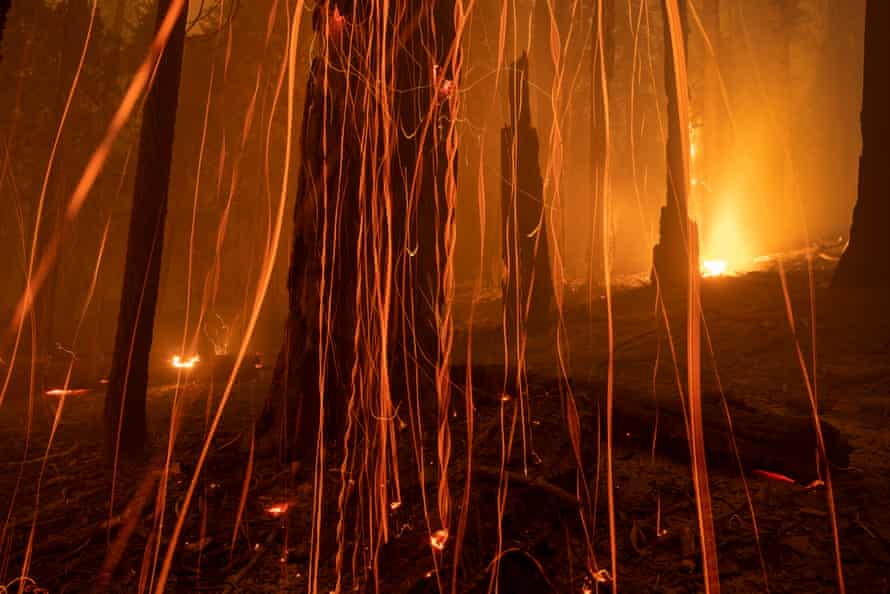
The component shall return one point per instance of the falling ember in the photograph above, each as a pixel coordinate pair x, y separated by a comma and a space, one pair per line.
446, 89
60, 392
713, 268
395, 505
180, 363
438, 539
775, 476
338, 22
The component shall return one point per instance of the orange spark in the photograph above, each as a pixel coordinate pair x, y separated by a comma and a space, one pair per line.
775, 476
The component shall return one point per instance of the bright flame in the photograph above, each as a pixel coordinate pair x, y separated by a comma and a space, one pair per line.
710, 268
180, 363
277, 510
438, 539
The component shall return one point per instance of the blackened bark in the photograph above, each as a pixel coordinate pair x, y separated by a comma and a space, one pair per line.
125, 417
866, 262
371, 218
670, 262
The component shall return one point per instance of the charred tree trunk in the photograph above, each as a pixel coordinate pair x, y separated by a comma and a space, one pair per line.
369, 261
670, 267
866, 262
528, 292
125, 418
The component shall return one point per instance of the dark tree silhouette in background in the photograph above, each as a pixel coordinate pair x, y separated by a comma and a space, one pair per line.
125, 415
669, 261
866, 262
4, 8
528, 289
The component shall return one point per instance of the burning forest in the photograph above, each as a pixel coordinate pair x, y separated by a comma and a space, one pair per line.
464, 296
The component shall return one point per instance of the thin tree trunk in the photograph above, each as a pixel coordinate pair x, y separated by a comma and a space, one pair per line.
125, 416
866, 262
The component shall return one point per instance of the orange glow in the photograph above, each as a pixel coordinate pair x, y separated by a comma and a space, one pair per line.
180, 363
712, 268
438, 539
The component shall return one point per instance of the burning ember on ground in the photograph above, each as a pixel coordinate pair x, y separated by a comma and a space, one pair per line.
277, 509
438, 539
713, 268
180, 363
71, 392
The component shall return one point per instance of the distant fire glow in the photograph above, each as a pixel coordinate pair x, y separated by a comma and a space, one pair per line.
180, 363
712, 268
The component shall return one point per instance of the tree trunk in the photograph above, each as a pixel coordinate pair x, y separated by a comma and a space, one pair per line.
866, 262
125, 416
669, 262
369, 264
528, 292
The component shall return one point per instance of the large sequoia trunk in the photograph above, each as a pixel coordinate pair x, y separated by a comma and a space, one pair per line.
866, 262
125, 418
370, 259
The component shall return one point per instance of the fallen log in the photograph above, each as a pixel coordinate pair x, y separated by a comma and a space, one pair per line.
766, 440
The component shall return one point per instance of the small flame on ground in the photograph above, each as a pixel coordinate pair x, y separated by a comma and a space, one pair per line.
180, 363
278, 509
712, 268
438, 539
61, 392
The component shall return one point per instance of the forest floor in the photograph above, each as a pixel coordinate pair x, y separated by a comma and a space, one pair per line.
543, 543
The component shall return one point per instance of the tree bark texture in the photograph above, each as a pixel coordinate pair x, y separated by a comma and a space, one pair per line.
369, 264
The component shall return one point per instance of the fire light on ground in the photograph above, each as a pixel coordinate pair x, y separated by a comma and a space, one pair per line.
189, 363
713, 268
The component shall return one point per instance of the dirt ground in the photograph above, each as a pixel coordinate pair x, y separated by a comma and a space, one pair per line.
541, 530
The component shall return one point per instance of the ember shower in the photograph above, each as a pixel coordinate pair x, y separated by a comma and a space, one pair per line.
444, 295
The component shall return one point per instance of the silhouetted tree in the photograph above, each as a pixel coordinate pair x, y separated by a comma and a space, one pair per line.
125, 416
866, 262
669, 262
528, 289
4, 8
371, 216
